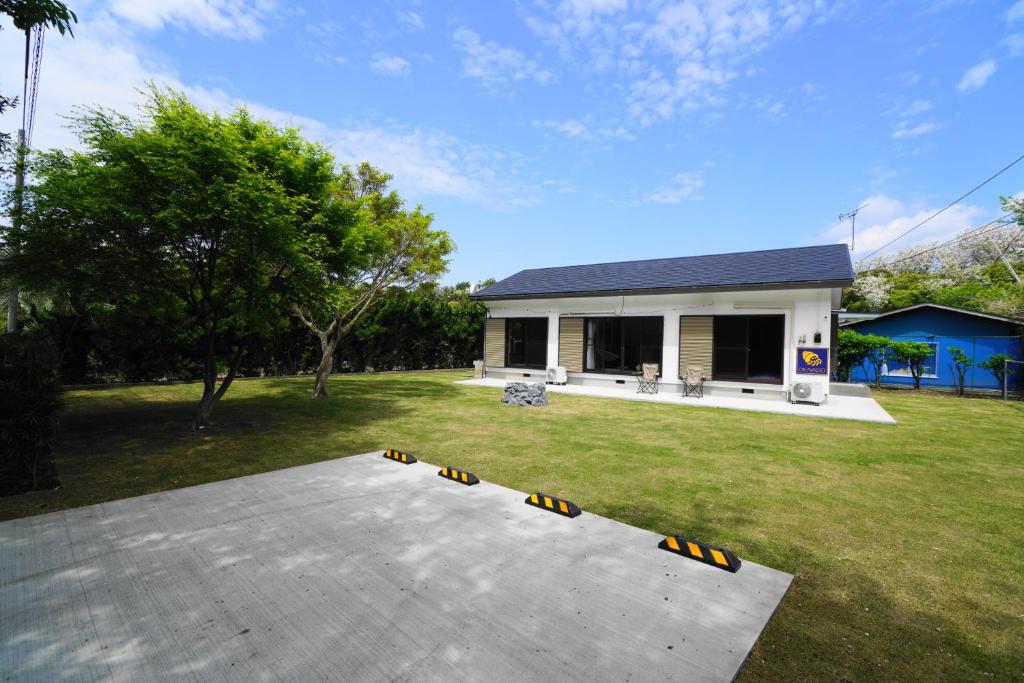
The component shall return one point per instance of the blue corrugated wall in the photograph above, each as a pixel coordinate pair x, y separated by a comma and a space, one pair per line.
979, 338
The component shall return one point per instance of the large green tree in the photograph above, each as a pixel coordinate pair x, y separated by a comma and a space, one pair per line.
187, 216
392, 247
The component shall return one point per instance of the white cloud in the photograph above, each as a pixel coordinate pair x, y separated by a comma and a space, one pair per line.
229, 18
389, 65
496, 67
1015, 13
693, 86
885, 218
558, 185
102, 65
1014, 44
771, 107
584, 130
908, 125
588, 8
571, 128
914, 108
423, 162
410, 20
432, 162
105, 65
976, 77
683, 186
675, 56
905, 130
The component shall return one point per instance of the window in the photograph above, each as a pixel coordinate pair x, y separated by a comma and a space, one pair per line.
526, 343
748, 348
619, 345
929, 366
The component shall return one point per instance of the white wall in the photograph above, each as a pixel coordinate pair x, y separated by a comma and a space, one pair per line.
807, 311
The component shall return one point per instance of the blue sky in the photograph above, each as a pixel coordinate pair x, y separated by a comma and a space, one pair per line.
546, 132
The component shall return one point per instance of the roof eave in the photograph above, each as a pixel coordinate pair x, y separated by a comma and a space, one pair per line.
941, 307
806, 284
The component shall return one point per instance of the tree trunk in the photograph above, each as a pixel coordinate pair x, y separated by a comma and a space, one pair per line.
12, 309
211, 392
206, 404
330, 337
323, 371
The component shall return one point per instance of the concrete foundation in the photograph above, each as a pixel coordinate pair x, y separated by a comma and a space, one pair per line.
836, 406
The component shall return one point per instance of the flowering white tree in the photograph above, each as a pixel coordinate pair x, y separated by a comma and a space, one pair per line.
959, 271
874, 288
964, 257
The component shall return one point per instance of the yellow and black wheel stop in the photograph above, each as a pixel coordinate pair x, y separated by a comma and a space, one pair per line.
545, 502
467, 478
695, 550
399, 456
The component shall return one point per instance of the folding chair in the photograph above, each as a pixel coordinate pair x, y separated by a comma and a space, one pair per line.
648, 379
693, 382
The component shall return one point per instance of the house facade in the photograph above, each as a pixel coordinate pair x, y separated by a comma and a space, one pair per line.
979, 335
756, 323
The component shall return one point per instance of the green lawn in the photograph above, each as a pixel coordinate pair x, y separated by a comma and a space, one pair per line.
905, 541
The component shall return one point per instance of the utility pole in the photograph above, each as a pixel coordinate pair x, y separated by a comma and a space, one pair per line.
1006, 261
13, 306
1009, 266
30, 17
852, 215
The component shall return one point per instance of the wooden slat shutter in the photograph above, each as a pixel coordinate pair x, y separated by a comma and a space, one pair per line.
494, 343
570, 344
696, 333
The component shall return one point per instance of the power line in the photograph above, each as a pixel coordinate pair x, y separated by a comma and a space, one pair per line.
30, 104
950, 205
980, 231
974, 232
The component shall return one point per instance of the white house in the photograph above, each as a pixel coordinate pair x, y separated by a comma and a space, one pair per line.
757, 323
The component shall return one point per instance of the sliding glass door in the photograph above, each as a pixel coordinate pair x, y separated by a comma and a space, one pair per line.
622, 345
749, 348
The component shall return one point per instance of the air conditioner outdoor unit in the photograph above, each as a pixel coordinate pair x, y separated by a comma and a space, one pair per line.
807, 392
557, 375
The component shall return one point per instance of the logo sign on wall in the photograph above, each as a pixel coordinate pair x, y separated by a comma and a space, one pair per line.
811, 361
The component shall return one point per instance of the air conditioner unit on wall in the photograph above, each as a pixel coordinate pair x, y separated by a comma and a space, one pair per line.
557, 375
807, 392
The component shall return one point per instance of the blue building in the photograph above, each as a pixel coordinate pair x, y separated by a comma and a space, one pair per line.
979, 335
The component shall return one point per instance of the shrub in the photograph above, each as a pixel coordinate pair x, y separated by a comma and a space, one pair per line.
852, 350
959, 363
29, 403
913, 354
997, 365
879, 354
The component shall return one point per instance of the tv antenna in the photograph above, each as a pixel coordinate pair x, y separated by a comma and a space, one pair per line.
852, 215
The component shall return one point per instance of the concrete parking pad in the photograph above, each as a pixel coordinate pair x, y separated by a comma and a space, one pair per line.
363, 569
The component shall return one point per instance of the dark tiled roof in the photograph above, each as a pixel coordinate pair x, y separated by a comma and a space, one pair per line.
775, 268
